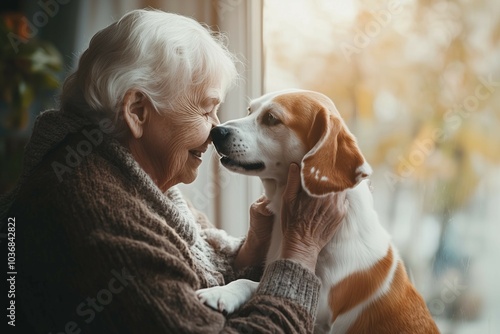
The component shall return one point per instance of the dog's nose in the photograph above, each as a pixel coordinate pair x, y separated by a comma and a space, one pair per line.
219, 133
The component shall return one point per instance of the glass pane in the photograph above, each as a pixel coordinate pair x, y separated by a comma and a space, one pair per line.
417, 82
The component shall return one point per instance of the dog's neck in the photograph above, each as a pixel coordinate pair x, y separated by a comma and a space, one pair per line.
360, 241
274, 189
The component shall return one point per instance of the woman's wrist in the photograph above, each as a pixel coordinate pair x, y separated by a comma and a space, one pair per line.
252, 252
307, 256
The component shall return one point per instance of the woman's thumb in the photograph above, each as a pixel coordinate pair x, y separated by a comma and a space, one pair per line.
293, 183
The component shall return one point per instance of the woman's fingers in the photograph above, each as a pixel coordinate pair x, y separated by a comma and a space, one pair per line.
293, 184
260, 206
308, 223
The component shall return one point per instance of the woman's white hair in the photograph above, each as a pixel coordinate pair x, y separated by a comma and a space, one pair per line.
163, 55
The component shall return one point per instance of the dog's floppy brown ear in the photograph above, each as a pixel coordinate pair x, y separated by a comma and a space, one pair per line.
335, 162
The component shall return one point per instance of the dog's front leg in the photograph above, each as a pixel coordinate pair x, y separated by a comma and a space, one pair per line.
228, 298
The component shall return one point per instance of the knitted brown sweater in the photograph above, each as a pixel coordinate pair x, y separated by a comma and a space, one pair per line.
100, 249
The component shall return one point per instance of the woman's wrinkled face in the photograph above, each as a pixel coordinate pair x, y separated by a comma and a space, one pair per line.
175, 141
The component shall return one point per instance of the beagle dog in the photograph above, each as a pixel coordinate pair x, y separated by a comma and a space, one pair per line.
365, 288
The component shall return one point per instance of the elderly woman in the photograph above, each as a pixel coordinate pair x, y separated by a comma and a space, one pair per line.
105, 242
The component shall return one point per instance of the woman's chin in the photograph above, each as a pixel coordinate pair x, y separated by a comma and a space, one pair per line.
190, 175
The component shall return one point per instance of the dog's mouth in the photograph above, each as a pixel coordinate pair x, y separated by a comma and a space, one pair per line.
233, 164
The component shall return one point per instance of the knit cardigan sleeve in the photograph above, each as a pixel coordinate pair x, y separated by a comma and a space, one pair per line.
97, 259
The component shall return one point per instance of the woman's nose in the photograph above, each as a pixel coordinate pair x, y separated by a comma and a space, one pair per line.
216, 121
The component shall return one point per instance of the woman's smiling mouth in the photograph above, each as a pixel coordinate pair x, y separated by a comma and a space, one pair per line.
197, 153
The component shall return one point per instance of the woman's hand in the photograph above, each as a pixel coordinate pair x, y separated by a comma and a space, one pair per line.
261, 222
308, 223
254, 249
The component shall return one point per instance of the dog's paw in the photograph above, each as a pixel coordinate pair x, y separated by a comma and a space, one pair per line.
230, 297
221, 298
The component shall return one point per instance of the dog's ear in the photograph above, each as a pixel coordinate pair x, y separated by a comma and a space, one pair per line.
335, 162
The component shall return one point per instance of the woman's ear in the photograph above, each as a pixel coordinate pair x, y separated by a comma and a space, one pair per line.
135, 112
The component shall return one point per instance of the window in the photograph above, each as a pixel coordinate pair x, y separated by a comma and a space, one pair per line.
418, 84
225, 196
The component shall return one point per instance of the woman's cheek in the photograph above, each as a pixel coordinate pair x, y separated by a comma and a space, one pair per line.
197, 133
204, 129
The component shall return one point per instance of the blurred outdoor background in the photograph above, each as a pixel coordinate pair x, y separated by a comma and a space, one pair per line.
417, 82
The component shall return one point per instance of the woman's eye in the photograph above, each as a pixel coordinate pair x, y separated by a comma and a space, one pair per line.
210, 110
206, 111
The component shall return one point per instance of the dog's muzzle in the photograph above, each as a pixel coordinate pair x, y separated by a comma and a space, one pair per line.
231, 158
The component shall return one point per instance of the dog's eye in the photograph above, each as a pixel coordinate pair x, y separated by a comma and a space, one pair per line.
270, 119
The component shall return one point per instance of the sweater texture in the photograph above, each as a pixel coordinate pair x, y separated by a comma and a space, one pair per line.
99, 248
